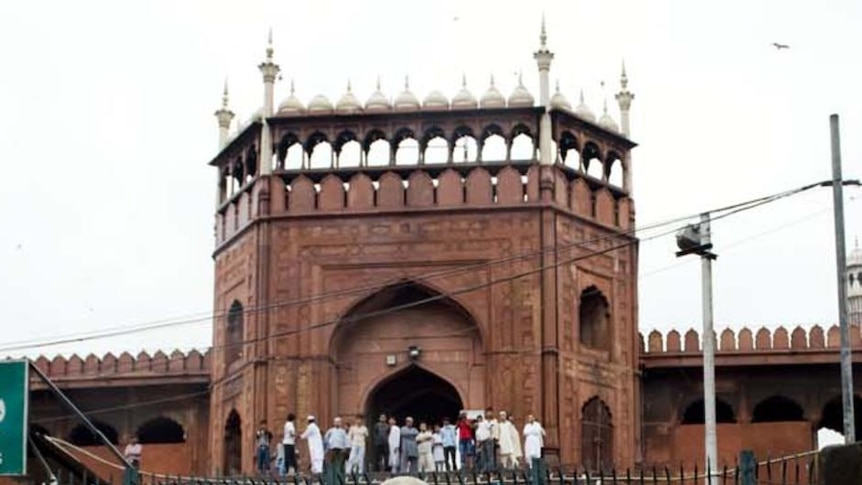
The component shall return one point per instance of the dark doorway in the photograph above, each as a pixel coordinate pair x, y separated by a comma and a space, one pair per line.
417, 393
233, 444
82, 436
597, 436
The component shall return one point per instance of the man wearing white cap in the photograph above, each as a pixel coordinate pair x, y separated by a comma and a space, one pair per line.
315, 445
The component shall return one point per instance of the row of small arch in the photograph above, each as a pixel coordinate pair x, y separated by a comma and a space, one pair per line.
159, 361
764, 339
773, 409
491, 144
158, 430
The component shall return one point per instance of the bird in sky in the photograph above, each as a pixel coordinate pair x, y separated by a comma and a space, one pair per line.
780, 46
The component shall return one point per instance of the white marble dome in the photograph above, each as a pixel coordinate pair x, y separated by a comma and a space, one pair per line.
320, 104
348, 103
492, 98
378, 101
291, 105
559, 101
406, 100
435, 100
520, 97
583, 111
464, 99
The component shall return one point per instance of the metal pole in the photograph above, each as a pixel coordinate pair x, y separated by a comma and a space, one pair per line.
710, 436
841, 264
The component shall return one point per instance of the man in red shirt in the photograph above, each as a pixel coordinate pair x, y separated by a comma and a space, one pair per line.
465, 441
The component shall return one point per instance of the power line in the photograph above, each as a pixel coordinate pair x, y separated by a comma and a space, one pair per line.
729, 210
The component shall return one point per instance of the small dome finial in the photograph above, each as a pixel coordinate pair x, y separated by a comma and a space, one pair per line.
624, 79
406, 82
557, 87
378, 82
582, 96
463, 80
492, 79
292, 87
349, 86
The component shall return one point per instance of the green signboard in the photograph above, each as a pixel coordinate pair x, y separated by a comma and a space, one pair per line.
14, 379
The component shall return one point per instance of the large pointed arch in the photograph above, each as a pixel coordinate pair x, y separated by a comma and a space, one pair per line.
402, 292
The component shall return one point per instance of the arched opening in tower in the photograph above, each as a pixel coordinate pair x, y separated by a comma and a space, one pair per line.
232, 462
417, 393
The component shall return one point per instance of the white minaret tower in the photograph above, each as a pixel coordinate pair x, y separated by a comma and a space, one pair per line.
624, 98
270, 71
854, 286
543, 59
224, 117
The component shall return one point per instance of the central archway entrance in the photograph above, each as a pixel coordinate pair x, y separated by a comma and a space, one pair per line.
415, 392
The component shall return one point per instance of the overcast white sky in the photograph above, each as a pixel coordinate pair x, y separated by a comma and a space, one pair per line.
106, 212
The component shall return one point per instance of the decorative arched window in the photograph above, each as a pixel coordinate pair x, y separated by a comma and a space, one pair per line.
597, 436
594, 319
233, 334
777, 409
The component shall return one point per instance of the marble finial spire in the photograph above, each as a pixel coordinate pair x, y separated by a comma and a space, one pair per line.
224, 96
463, 80
624, 79
269, 49
543, 36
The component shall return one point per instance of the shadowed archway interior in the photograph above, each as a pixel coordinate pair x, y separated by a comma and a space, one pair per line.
417, 393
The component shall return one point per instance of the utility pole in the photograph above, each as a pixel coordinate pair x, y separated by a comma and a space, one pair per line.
696, 239
841, 264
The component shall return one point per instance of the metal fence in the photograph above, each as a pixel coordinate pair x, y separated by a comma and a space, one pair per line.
801, 469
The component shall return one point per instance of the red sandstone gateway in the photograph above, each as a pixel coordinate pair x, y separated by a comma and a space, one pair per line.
421, 258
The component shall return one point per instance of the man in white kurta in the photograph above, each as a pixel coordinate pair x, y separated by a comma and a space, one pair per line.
510, 442
534, 440
394, 446
315, 445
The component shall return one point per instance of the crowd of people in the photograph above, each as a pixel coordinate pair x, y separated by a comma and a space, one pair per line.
482, 443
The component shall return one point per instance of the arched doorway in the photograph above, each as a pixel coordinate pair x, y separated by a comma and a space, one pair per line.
415, 392
232, 462
369, 343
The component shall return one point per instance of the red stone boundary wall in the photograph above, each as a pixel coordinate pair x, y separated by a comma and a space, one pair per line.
193, 362
814, 339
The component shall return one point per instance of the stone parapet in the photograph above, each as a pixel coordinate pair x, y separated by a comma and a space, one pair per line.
177, 363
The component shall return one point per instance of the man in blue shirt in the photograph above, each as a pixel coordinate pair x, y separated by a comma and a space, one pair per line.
336, 445
450, 443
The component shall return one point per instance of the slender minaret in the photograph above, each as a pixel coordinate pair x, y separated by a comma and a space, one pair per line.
270, 71
543, 59
624, 98
224, 117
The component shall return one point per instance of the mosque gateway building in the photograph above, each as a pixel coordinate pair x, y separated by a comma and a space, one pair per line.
421, 255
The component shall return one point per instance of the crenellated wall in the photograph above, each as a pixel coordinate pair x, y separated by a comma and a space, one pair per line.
159, 365
748, 341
